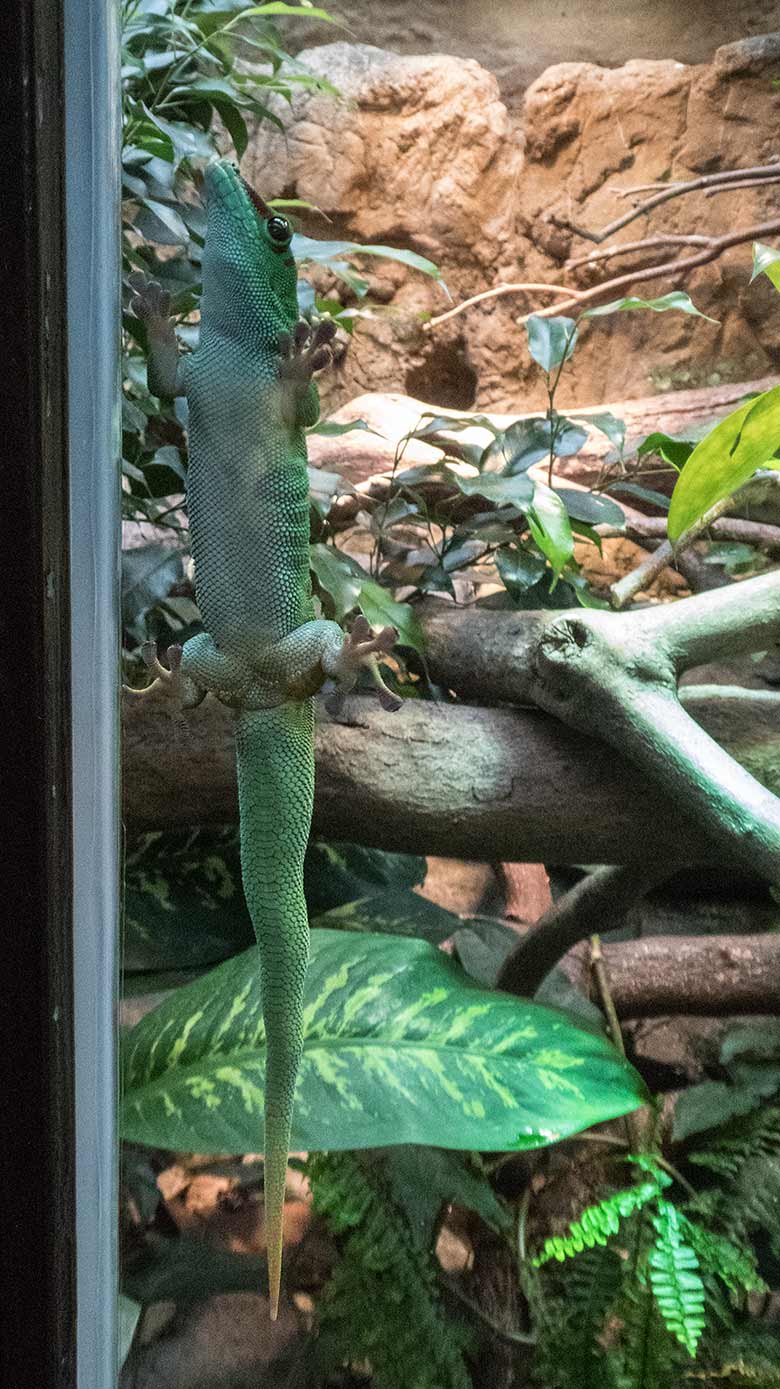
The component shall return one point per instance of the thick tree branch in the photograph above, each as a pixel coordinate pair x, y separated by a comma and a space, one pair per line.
703, 975
454, 780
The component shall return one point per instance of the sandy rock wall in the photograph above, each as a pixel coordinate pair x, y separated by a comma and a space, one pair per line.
517, 41
422, 152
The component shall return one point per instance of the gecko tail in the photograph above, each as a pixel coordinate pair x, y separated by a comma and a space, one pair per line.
275, 762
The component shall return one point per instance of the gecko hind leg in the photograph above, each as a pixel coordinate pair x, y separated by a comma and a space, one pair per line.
359, 650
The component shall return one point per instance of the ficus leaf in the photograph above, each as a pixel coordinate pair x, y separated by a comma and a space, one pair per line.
725, 459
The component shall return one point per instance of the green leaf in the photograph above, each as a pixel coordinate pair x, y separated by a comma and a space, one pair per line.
645, 494
339, 575
399, 1047
725, 459
423, 1180
549, 526
235, 126
766, 261
187, 140
591, 507
307, 250
331, 429
128, 1316
708, 1105
159, 223
148, 574
381, 610
278, 7
673, 450
675, 1278
184, 902
498, 488
517, 569
675, 300
528, 441
551, 341
610, 425
337, 873
394, 913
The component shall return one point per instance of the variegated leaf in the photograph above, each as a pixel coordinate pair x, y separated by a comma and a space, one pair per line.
399, 1047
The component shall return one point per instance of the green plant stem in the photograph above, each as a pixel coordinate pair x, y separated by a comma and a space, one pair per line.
631, 1121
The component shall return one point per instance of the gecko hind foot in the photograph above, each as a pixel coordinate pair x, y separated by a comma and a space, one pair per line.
359, 651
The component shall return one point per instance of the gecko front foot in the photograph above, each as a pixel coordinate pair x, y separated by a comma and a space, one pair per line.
360, 649
306, 350
150, 302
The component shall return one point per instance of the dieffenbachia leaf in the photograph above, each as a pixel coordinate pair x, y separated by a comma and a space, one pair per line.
399, 1047
724, 460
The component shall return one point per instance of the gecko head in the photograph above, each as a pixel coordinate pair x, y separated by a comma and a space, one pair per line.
247, 260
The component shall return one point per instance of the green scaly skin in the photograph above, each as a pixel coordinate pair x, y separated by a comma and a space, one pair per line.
251, 395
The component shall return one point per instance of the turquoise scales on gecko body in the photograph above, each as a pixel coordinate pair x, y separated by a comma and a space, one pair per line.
251, 396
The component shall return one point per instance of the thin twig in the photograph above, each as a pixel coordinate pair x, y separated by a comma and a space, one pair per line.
633, 1127
646, 244
579, 298
495, 293
670, 269
760, 172
622, 592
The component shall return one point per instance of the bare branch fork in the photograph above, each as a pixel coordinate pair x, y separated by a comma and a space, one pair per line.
713, 183
711, 246
580, 298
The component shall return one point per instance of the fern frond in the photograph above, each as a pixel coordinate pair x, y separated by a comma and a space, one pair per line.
673, 1272
382, 1302
568, 1326
718, 1255
647, 1356
598, 1223
744, 1138
746, 1359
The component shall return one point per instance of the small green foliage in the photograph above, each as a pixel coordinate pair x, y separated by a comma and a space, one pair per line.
725, 459
382, 1303
673, 1272
674, 300
551, 341
599, 1223
766, 261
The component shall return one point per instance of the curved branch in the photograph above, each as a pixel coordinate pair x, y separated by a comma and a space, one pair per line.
577, 298
599, 902
616, 675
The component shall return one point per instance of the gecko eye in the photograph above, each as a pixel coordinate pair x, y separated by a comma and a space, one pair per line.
279, 229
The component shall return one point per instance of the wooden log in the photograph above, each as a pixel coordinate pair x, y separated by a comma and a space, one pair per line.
455, 780
705, 975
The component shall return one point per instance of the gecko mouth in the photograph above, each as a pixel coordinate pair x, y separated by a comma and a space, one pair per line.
255, 198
